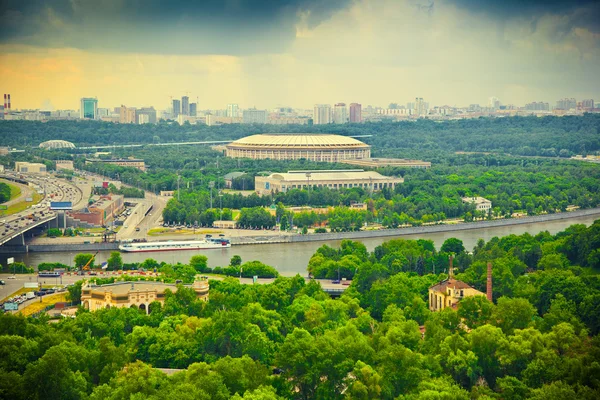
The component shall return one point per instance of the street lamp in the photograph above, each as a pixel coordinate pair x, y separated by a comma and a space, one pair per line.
221, 205
308, 186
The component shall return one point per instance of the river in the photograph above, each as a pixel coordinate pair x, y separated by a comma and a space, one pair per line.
292, 258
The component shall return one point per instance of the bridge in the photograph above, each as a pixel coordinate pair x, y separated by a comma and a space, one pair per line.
19, 231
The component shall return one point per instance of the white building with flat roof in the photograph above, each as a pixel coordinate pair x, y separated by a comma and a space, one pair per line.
332, 179
481, 204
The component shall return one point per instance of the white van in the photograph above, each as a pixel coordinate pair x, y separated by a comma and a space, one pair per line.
30, 295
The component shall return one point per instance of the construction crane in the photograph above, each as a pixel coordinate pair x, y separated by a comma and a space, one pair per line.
86, 267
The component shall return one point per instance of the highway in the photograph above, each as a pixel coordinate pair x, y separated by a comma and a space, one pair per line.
53, 189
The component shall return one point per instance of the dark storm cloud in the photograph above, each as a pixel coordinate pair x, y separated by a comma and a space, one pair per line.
581, 13
173, 26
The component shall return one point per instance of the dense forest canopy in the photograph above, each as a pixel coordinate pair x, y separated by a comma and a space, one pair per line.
547, 136
538, 339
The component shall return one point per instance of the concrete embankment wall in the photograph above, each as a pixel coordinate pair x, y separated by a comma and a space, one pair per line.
43, 248
412, 230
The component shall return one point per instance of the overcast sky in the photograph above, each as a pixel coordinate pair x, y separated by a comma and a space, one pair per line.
297, 52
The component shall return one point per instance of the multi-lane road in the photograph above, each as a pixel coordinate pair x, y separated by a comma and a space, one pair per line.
52, 188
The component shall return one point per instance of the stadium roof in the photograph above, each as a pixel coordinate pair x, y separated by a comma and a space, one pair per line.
298, 140
57, 144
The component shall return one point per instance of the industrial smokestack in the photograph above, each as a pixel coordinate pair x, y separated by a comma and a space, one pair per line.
451, 268
9, 101
5, 103
489, 281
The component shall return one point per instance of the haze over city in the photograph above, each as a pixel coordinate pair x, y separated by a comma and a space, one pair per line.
297, 53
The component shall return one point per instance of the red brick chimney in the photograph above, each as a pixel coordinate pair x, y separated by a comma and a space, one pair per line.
489, 281
450, 268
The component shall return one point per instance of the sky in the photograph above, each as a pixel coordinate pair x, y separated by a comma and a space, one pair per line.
270, 53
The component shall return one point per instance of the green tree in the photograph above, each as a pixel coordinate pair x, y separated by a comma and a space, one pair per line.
452, 245
82, 259
199, 262
510, 314
235, 261
115, 261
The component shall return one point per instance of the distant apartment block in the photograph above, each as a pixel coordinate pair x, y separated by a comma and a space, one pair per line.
254, 116
185, 105
587, 104
146, 115
193, 109
537, 106
176, 108
566, 104
322, 114
233, 111
127, 115
340, 113
355, 113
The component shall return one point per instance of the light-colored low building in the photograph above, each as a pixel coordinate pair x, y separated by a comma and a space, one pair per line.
125, 162
133, 294
167, 193
388, 162
336, 179
481, 204
448, 293
225, 224
25, 167
64, 164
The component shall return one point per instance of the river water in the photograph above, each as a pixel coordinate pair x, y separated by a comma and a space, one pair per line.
292, 258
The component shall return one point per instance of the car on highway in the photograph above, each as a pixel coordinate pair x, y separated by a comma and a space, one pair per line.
2, 282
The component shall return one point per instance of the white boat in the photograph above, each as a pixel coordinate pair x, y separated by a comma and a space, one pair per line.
208, 243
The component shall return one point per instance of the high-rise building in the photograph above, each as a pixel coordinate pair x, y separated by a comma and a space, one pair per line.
88, 108
537, 106
340, 113
193, 110
322, 114
185, 105
176, 108
355, 113
566, 104
233, 111
146, 115
421, 107
254, 116
588, 103
494, 103
127, 115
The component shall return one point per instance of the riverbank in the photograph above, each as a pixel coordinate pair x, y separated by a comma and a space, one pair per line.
271, 238
249, 240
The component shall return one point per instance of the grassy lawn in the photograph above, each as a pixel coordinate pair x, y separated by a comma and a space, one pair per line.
22, 205
47, 300
15, 191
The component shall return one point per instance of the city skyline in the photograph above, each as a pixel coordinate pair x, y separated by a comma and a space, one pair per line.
264, 54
